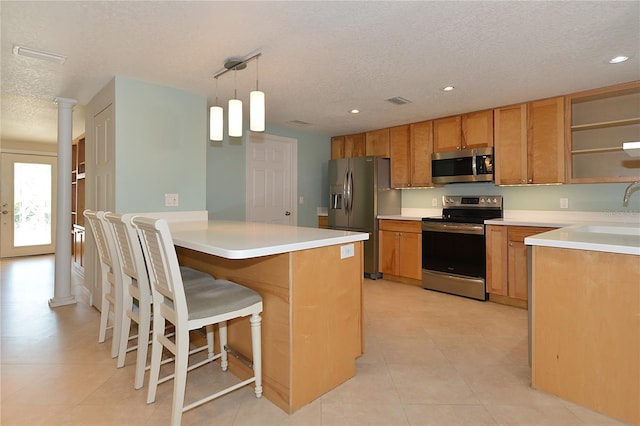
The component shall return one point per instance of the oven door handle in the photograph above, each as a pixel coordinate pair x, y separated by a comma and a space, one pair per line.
454, 228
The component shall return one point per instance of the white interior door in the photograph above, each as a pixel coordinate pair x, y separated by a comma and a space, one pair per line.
272, 176
100, 195
27, 204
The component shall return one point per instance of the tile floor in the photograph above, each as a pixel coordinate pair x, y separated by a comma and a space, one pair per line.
430, 359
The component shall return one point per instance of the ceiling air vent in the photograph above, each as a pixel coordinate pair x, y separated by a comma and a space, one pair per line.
299, 123
399, 100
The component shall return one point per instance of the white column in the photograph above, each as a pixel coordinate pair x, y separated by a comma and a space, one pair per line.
62, 285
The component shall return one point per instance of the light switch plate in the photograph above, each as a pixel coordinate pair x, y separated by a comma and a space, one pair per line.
171, 200
347, 250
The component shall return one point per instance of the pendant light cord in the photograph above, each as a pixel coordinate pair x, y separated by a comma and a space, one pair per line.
257, 71
235, 84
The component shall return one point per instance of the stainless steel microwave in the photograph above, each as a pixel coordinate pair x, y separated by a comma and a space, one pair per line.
466, 165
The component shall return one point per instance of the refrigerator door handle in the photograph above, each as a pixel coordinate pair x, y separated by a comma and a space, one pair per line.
345, 191
350, 191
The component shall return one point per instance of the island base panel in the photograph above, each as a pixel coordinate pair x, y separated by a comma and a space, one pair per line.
312, 308
586, 329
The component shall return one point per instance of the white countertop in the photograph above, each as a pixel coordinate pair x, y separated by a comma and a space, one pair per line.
623, 238
244, 240
559, 219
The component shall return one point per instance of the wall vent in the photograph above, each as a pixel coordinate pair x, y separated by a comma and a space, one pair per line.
299, 123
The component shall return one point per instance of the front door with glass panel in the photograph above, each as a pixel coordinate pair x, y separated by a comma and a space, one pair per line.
27, 204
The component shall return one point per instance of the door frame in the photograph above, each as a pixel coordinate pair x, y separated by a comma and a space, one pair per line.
6, 188
260, 138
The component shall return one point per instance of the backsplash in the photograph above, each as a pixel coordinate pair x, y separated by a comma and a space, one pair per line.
605, 197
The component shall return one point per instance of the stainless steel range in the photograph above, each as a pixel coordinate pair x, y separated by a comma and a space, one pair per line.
453, 245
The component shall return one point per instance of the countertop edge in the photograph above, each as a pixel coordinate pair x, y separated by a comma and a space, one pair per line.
570, 238
181, 239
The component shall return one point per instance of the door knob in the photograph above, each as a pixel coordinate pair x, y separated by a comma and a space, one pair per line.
287, 213
4, 212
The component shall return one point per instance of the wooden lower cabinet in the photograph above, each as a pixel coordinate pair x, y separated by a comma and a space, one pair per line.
507, 273
323, 222
401, 250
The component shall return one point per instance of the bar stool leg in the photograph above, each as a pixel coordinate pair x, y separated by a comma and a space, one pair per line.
256, 342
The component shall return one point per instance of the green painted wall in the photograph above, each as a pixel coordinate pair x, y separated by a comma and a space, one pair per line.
226, 171
161, 147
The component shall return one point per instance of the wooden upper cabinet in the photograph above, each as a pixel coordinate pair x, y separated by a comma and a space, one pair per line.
354, 145
600, 121
477, 129
546, 141
467, 131
377, 143
529, 143
337, 147
447, 134
411, 148
421, 143
400, 147
510, 151
347, 146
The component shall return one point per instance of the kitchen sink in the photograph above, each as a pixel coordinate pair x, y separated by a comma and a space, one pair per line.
622, 229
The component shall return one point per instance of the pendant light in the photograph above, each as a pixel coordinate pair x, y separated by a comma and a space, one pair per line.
256, 106
216, 120
234, 115
235, 111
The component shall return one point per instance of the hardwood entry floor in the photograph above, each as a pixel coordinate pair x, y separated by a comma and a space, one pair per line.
430, 359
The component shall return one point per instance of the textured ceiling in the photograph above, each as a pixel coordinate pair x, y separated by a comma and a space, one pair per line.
319, 59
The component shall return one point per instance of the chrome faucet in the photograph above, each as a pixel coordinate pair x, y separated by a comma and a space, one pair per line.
627, 192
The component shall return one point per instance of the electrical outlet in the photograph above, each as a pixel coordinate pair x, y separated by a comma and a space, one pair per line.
171, 200
347, 251
301, 201
434, 202
564, 203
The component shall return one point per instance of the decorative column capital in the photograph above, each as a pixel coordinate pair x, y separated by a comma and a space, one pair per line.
65, 102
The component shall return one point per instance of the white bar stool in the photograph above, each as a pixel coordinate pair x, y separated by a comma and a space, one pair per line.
204, 303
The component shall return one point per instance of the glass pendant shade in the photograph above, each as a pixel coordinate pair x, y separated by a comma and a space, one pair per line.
215, 123
235, 118
256, 111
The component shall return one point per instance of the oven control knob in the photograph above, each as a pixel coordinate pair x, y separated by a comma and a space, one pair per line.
481, 200
495, 201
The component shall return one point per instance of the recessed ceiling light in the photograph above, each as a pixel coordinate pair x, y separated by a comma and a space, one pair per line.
354, 111
448, 88
618, 59
39, 54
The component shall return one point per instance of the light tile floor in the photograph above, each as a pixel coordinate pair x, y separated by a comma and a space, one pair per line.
430, 359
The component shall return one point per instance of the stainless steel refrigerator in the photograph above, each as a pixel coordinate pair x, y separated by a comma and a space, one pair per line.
359, 191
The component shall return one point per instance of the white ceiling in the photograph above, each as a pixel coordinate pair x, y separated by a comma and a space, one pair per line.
319, 59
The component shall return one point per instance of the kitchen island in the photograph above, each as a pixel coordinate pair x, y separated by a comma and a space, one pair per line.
586, 316
311, 284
